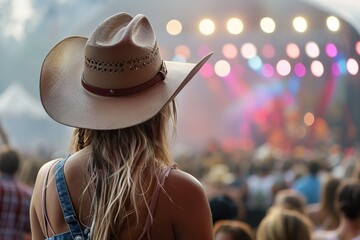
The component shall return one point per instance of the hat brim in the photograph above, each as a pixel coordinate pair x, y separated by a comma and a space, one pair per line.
67, 102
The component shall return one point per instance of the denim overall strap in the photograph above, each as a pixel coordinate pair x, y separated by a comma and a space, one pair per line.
65, 202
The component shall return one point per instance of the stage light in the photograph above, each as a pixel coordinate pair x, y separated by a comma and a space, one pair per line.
342, 66
331, 50
317, 68
230, 51
267, 25
300, 24
235, 26
183, 50
268, 51
292, 50
206, 70
300, 70
309, 119
333, 23
283, 67
174, 27
248, 50
312, 49
267, 70
207, 26
255, 63
222, 68
352, 66
357, 47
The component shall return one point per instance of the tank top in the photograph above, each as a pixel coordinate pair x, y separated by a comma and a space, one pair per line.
76, 232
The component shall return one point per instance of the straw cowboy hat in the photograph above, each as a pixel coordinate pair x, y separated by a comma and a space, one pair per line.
113, 79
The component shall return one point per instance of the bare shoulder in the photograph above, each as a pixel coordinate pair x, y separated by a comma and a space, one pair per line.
186, 194
187, 206
179, 182
42, 174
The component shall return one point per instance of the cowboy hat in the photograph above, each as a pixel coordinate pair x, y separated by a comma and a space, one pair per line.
113, 79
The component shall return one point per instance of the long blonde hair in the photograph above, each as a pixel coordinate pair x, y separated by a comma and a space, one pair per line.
284, 224
123, 167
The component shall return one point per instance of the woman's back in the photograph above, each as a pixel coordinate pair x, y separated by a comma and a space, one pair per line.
175, 219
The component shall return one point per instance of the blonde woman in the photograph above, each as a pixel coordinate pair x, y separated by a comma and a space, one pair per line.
283, 224
233, 230
120, 181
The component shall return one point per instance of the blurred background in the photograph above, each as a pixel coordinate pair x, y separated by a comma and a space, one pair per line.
284, 78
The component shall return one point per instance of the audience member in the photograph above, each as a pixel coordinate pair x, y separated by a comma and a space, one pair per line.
14, 198
259, 192
290, 199
348, 204
120, 180
309, 185
233, 230
324, 214
283, 224
223, 208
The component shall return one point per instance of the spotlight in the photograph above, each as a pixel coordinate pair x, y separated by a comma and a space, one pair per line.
174, 27
317, 68
207, 26
222, 68
300, 24
248, 50
333, 23
235, 26
267, 25
312, 49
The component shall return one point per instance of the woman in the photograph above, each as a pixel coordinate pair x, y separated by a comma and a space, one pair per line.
284, 224
324, 215
290, 199
233, 230
347, 203
120, 182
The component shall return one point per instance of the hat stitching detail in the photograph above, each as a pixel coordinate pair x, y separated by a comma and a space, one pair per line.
122, 66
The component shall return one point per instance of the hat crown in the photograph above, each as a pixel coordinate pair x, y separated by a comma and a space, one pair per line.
121, 53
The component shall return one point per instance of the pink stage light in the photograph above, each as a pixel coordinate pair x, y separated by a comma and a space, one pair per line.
267, 70
268, 51
207, 70
331, 50
300, 70
230, 51
292, 50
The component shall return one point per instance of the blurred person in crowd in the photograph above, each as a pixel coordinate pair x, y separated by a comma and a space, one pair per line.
324, 215
347, 164
259, 192
348, 205
290, 199
14, 198
223, 208
233, 230
284, 224
309, 184
219, 181
120, 181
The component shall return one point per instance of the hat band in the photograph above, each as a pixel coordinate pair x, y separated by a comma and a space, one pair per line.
109, 92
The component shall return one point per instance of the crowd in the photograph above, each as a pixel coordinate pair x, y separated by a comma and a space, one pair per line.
250, 198
281, 196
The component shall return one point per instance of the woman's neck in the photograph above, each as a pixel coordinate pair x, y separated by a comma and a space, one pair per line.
349, 229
